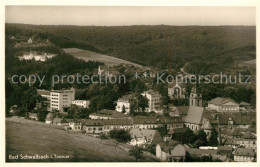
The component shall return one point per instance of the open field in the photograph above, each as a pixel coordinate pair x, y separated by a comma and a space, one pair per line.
32, 139
249, 63
89, 55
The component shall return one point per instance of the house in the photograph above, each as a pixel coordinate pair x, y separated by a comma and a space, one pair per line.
108, 114
177, 134
75, 125
177, 90
170, 151
237, 119
248, 140
201, 152
225, 150
243, 155
97, 126
107, 71
207, 127
33, 116
30, 41
60, 121
223, 105
142, 137
81, 103
123, 104
231, 143
153, 101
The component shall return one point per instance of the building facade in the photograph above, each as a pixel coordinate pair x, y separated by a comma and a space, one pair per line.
61, 99
223, 105
81, 103
153, 101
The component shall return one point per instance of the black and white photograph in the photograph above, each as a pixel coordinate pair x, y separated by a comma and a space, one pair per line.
172, 84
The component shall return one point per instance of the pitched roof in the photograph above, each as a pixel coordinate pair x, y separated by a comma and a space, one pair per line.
177, 131
225, 148
194, 115
110, 114
244, 104
206, 125
221, 100
43, 92
237, 117
156, 120
100, 122
230, 141
244, 152
200, 152
166, 146
249, 135
139, 133
183, 110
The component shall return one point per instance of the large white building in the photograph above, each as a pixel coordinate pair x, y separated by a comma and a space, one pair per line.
223, 105
153, 101
123, 104
57, 100
61, 99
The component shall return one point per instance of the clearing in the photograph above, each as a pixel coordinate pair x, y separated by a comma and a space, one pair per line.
89, 55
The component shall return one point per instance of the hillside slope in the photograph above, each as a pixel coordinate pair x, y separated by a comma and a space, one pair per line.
156, 46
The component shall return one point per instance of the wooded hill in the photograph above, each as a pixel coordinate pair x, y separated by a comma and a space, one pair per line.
205, 49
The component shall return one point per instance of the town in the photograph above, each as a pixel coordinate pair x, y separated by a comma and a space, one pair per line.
173, 122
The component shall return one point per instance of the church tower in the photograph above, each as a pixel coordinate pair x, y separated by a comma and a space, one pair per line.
195, 98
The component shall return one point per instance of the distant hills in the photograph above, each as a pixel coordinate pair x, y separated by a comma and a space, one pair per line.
202, 49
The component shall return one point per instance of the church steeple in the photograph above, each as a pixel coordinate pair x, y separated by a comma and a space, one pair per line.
195, 98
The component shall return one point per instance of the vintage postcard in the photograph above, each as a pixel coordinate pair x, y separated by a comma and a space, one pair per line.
172, 84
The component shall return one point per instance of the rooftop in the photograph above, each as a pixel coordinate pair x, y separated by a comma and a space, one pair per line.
166, 146
110, 114
194, 115
244, 152
220, 100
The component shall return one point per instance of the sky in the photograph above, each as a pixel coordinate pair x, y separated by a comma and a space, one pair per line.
116, 16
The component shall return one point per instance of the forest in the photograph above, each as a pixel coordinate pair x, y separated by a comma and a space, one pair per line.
201, 49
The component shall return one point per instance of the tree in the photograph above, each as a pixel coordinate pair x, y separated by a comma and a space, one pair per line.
213, 140
137, 152
41, 115
142, 102
120, 135
188, 136
202, 138
151, 148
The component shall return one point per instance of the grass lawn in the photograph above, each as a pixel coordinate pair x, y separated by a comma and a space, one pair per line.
32, 139
88, 55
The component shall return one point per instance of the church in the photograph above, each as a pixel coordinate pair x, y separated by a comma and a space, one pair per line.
177, 91
195, 118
